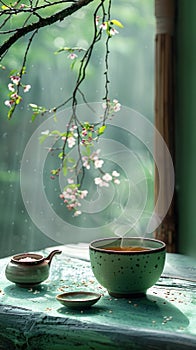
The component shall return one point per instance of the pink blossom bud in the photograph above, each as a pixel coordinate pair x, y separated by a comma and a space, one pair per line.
15, 79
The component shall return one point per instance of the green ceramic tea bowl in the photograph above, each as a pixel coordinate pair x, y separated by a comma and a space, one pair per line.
125, 273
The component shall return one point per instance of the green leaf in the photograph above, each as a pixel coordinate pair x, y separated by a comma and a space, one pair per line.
62, 49
13, 72
73, 186
36, 110
73, 64
77, 48
54, 171
60, 155
107, 28
117, 23
87, 151
101, 129
70, 49
55, 117
23, 70
71, 160
56, 132
17, 101
42, 138
4, 7
10, 112
34, 116
65, 167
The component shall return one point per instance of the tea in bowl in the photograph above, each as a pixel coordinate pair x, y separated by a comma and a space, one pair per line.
128, 269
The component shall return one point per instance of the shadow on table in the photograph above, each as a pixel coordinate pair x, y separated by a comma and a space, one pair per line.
145, 312
94, 310
149, 311
40, 290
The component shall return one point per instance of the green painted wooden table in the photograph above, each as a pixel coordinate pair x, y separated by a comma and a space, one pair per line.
34, 319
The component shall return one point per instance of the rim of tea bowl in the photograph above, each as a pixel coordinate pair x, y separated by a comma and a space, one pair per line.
127, 273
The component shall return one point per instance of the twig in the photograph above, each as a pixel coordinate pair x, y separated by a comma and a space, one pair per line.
59, 16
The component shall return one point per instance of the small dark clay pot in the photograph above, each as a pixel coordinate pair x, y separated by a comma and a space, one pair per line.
29, 269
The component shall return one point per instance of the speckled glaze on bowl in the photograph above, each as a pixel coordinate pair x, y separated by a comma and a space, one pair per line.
127, 273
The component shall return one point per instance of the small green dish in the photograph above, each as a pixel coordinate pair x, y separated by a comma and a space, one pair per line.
78, 300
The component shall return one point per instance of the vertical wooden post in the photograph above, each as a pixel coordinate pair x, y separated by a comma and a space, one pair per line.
164, 105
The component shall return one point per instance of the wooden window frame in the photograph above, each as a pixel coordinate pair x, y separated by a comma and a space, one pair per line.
164, 106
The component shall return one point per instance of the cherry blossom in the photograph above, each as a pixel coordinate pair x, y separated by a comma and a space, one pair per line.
71, 141
115, 173
97, 20
9, 103
27, 87
14, 99
72, 56
77, 213
15, 79
113, 106
85, 161
117, 181
94, 155
71, 196
70, 181
107, 177
84, 132
11, 87
117, 105
108, 26
103, 26
98, 181
14, 96
113, 31
73, 127
83, 194
98, 163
